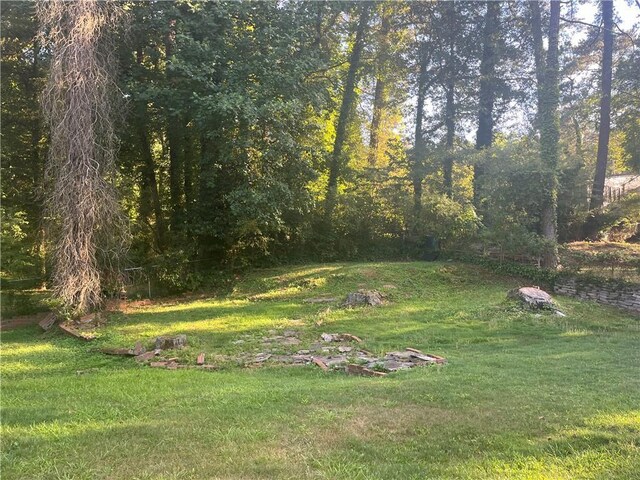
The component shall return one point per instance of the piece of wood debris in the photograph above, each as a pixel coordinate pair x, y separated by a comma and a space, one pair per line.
68, 329
158, 364
47, 322
200, 359
353, 369
321, 364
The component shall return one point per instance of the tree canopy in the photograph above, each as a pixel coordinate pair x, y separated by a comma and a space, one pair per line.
261, 132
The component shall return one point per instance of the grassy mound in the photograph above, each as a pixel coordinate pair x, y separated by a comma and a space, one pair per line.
524, 395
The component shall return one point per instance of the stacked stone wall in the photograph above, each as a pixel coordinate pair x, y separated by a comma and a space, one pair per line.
622, 296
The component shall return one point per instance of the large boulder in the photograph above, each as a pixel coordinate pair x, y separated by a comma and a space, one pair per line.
533, 297
364, 297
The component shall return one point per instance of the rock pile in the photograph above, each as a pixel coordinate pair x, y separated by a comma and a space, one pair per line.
331, 353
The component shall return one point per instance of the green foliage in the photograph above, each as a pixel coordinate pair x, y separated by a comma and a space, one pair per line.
231, 116
538, 276
617, 221
175, 273
453, 223
17, 258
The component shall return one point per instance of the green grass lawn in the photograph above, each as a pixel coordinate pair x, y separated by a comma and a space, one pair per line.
524, 395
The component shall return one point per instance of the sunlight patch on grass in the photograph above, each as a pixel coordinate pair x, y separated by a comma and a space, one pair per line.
575, 332
627, 420
21, 349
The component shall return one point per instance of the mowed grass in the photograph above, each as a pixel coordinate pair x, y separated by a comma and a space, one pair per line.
524, 395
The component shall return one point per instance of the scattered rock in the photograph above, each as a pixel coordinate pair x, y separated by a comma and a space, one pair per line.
321, 300
262, 357
389, 286
533, 297
47, 322
333, 361
290, 333
340, 337
282, 340
144, 357
343, 349
172, 366
139, 349
328, 337
372, 298
168, 343
353, 369
158, 364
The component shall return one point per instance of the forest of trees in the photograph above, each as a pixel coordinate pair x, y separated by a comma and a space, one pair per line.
250, 133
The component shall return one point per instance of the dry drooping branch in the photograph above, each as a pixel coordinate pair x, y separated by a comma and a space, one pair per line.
79, 102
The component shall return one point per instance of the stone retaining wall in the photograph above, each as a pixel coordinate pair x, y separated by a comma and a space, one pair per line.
627, 297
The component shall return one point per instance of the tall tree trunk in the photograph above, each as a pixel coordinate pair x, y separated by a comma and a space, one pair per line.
211, 181
450, 125
174, 139
549, 138
37, 166
379, 100
79, 105
486, 97
597, 191
417, 168
376, 121
187, 165
538, 55
149, 180
345, 108
450, 107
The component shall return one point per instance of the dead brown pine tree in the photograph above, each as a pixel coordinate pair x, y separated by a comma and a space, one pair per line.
79, 104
